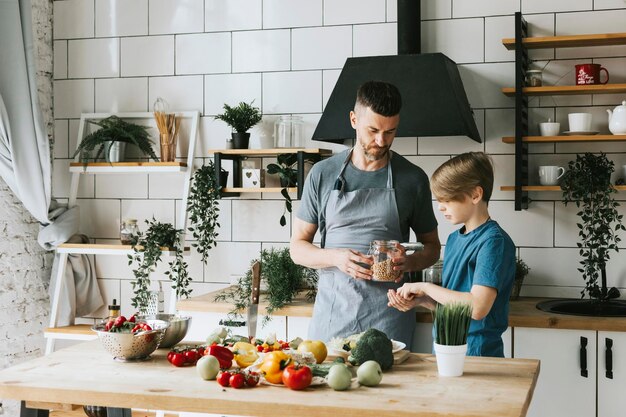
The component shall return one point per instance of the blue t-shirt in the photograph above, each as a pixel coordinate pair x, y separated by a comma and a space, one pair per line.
485, 256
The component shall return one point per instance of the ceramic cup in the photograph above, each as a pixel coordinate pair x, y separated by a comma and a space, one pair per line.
549, 128
550, 174
579, 122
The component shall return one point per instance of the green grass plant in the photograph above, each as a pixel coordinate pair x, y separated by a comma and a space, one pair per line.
452, 321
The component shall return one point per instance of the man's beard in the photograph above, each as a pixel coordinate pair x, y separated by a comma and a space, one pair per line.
374, 156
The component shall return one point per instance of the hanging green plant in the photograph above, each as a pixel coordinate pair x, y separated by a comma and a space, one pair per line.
587, 183
283, 278
114, 129
147, 252
203, 209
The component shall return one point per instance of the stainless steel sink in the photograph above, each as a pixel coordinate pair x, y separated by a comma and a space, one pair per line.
577, 307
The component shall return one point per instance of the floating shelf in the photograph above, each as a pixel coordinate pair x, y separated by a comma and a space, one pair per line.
568, 90
258, 190
572, 41
547, 188
127, 167
581, 138
74, 332
105, 249
269, 152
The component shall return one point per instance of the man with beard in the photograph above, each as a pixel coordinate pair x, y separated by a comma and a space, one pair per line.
360, 195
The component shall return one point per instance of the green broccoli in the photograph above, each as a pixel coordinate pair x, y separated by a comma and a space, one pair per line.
373, 345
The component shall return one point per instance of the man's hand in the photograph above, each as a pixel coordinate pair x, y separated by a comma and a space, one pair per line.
349, 262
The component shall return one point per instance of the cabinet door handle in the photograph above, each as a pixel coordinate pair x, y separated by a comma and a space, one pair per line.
608, 359
583, 357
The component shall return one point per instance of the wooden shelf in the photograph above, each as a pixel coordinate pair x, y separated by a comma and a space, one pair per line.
127, 167
568, 90
258, 190
269, 152
547, 188
74, 332
104, 249
601, 39
581, 138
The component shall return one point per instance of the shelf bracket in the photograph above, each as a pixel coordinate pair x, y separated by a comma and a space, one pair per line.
521, 113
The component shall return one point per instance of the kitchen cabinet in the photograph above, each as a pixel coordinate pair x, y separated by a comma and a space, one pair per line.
521, 43
79, 169
566, 387
239, 155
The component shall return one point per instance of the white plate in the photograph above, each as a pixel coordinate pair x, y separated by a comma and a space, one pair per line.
590, 132
397, 346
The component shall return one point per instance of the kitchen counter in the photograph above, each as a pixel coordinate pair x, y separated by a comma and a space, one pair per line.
86, 374
522, 313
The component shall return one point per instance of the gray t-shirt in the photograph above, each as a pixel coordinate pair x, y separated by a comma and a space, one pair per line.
412, 190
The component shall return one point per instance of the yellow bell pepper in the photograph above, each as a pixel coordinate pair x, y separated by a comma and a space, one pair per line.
245, 354
273, 365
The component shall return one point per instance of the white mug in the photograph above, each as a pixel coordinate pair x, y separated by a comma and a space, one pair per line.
549, 128
579, 122
550, 174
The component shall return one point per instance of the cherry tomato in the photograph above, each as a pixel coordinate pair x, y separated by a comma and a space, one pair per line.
223, 378
200, 350
170, 354
297, 376
237, 380
191, 356
109, 325
259, 348
178, 359
252, 378
119, 321
132, 318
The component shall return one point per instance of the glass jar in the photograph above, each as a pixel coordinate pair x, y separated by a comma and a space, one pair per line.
288, 132
383, 252
433, 273
127, 230
533, 78
114, 310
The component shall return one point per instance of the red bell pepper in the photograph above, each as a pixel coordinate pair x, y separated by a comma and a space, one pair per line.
224, 355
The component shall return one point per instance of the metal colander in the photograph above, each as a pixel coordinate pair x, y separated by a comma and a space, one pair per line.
129, 346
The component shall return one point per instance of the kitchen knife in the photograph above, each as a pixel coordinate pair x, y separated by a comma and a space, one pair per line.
253, 308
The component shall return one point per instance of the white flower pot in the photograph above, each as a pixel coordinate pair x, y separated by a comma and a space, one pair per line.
450, 359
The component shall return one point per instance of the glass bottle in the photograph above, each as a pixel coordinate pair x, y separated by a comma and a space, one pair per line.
114, 310
383, 252
127, 230
288, 132
433, 273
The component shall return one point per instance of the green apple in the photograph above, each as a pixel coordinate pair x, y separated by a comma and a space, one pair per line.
208, 367
339, 377
369, 374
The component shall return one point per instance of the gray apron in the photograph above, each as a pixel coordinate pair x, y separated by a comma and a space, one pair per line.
345, 305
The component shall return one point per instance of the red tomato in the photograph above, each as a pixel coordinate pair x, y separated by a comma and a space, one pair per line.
191, 356
170, 354
259, 348
252, 378
119, 321
109, 325
200, 351
132, 318
237, 380
297, 376
178, 359
223, 378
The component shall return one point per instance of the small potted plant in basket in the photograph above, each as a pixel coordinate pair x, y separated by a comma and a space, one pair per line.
240, 118
521, 270
451, 322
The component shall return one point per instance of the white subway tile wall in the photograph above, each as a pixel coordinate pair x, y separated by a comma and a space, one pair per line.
285, 57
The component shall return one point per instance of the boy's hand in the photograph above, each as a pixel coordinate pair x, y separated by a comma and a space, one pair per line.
410, 290
400, 303
350, 261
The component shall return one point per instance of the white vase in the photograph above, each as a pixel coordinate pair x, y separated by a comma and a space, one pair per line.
450, 359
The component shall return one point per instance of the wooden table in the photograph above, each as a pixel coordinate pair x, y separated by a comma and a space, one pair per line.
86, 374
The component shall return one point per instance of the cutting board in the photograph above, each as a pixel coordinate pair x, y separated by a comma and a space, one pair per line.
400, 356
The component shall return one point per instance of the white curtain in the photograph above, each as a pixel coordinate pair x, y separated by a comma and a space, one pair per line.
25, 156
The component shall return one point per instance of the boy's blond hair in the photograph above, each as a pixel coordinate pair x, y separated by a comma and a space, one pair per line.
459, 176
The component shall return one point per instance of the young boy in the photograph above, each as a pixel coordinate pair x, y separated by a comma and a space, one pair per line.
479, 260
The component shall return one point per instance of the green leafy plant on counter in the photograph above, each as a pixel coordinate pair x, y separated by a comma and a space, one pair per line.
241, 117
451, 322
587, 183
147, 252
283, 278
203, 209
521, 270
113, 129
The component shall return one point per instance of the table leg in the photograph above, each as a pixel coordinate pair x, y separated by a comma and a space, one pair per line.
32, 412
118, 412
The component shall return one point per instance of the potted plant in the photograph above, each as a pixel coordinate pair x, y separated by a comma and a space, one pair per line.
147, 251
240, 118
203, 208
282, 278
111, 138
521, 270
284, 168
451, 322
587, 183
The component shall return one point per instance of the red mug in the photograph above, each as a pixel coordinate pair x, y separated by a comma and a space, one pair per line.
590, 74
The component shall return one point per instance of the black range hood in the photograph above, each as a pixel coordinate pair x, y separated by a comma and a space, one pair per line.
434, 102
